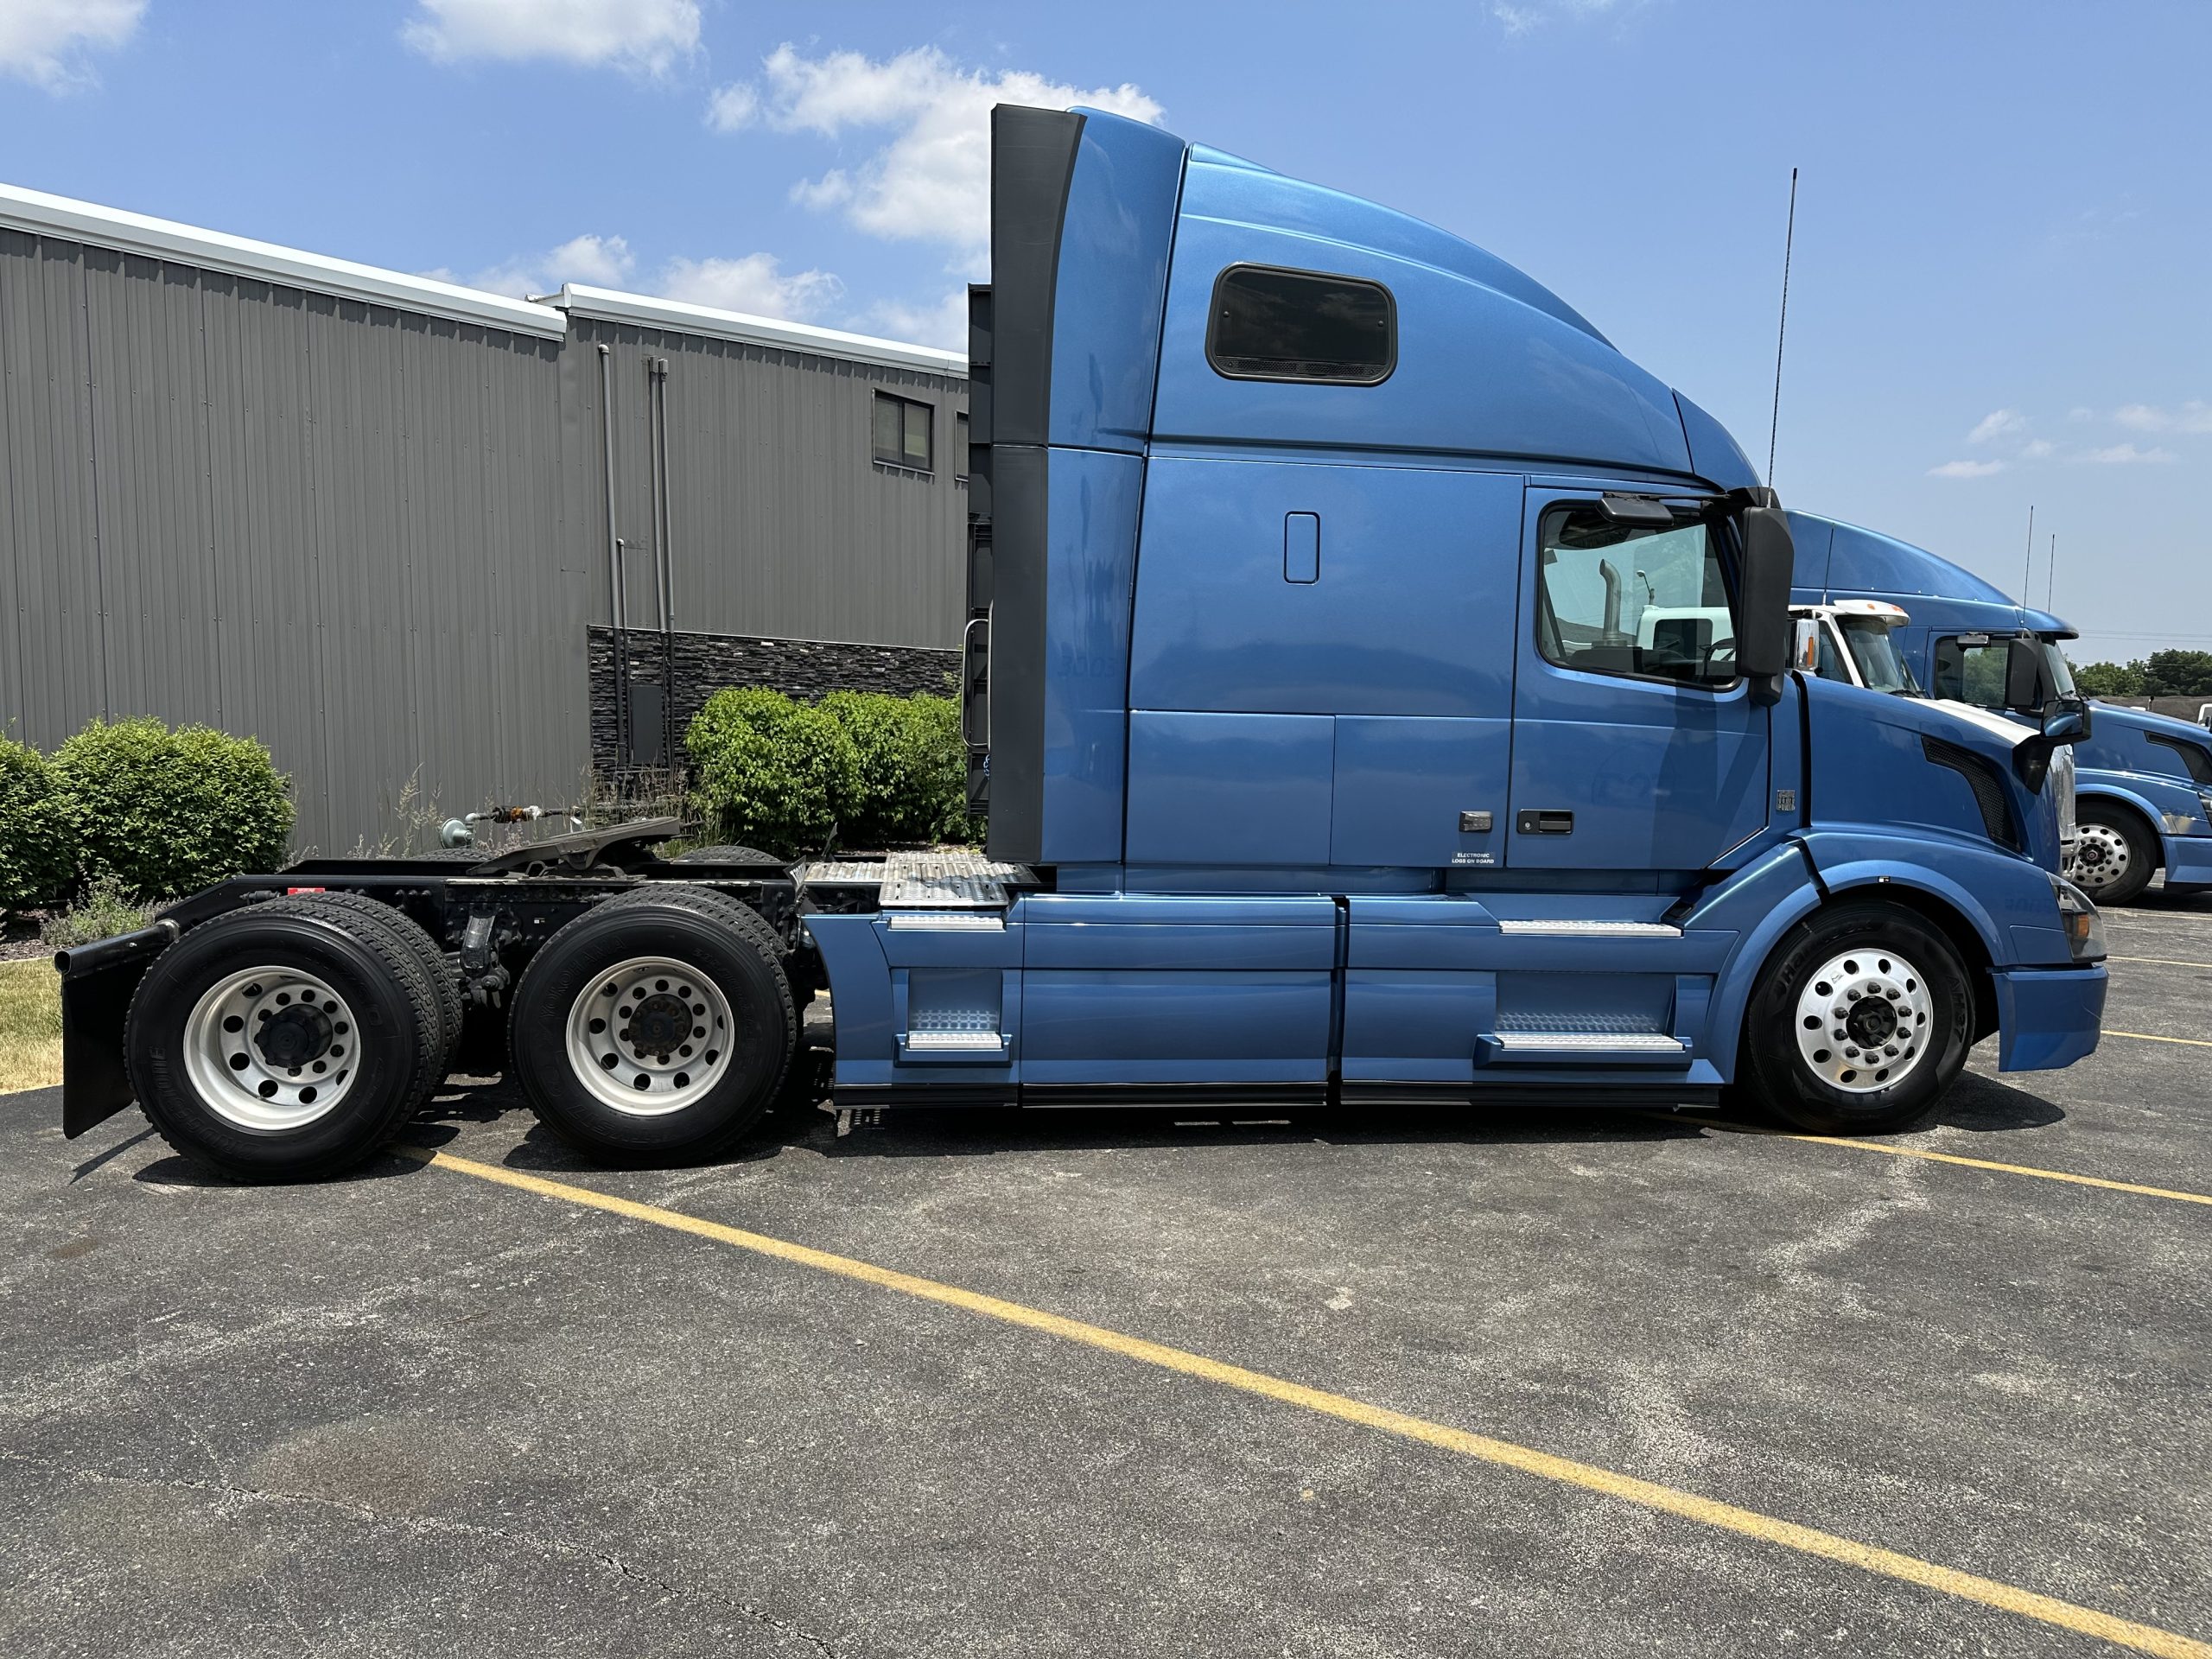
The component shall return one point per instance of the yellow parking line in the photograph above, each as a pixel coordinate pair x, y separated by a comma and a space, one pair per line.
2161, 961
2146, 1037
1887, 1150
1750, 1524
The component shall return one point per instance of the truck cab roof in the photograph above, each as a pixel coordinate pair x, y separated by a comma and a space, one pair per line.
1495, 364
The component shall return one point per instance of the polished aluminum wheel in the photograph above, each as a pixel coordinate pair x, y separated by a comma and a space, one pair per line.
2102, 859
1863, 1020
271, 1048
649, 1035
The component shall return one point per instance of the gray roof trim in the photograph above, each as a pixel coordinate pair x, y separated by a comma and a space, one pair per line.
41, 214
674, 316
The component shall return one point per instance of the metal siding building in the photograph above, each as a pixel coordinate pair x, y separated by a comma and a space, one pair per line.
365, 515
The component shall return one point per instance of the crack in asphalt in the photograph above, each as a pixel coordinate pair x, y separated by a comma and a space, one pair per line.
434, 1526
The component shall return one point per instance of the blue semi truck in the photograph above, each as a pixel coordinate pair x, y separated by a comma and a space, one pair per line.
1379, 690
2143, 783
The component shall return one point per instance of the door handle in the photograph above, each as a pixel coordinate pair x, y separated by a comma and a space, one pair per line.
1301, 547
1543, 821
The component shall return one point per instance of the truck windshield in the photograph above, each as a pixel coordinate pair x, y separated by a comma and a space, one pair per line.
2061, 675
1880, 668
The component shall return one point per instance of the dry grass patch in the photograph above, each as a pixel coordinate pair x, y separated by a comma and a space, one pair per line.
30, 1025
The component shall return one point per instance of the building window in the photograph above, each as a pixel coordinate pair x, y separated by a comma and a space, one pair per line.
902, 433
960, 441
1301, 324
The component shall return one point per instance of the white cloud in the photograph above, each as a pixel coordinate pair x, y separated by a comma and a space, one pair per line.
931, 179
2037, 449
755, 283
1998, 423
1519, 19
733, 107
1966, 469
46, 41
2124, 454
646, 37
601, 260
943, 324
2195, 415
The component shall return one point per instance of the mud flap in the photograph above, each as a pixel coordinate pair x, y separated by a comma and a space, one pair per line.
96, 984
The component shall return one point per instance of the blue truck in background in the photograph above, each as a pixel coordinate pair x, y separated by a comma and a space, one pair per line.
2143, 782
1380, 691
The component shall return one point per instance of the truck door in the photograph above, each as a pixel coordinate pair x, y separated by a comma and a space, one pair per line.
1636, 746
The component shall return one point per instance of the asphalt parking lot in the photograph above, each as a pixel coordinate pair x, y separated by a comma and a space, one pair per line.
1335, 1385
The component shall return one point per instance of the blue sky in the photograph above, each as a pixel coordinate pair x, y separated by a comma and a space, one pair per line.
2003, 285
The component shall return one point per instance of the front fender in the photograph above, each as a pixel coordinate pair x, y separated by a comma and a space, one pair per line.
2007, 901
2156, 799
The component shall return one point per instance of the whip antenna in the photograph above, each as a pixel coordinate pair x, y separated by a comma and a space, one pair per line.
1781, 330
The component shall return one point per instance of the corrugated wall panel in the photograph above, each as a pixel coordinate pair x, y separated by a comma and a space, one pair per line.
156, 538
375, 541
51, 466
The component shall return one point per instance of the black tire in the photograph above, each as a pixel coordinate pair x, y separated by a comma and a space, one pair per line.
2114, 867
387, 1067
1900, 948
730, 855
713, 939
438, 968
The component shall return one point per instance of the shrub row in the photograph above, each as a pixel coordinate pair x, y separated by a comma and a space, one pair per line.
154, 812
859, 768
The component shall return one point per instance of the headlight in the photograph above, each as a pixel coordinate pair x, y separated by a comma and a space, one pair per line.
2084, 928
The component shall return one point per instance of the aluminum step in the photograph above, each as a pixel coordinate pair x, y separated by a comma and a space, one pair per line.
956, 1042
1582, 929
1603, 1045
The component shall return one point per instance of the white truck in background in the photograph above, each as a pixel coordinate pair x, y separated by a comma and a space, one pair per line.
1848, 640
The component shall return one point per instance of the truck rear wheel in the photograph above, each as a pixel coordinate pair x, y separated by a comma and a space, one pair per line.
437, 968
282, 1042
1861, 1021
2115, 858
657, 1027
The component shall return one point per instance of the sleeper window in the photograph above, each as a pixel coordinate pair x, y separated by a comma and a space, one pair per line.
1301, 324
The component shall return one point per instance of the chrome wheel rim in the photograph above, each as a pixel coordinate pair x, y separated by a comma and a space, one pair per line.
2100, 858
1864, 1020
271, 1048
650, 1036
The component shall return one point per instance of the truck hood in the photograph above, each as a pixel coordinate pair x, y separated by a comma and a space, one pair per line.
2009, 731
2143, 720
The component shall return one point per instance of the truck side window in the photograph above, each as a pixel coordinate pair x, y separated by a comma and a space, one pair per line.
1830, 666
1627, 599
1269, 324
1972, 674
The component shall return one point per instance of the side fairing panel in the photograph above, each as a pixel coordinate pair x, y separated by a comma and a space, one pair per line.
1483, 367
1113, 281
1090, 570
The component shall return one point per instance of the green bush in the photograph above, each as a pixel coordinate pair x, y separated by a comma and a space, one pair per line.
910, 782
770, 772
168, 812
34, 868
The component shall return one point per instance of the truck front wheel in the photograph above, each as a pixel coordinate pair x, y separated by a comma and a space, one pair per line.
657, 1027
2116, 858
1861, 1021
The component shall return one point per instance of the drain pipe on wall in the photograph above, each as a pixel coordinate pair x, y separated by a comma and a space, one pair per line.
615, 616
